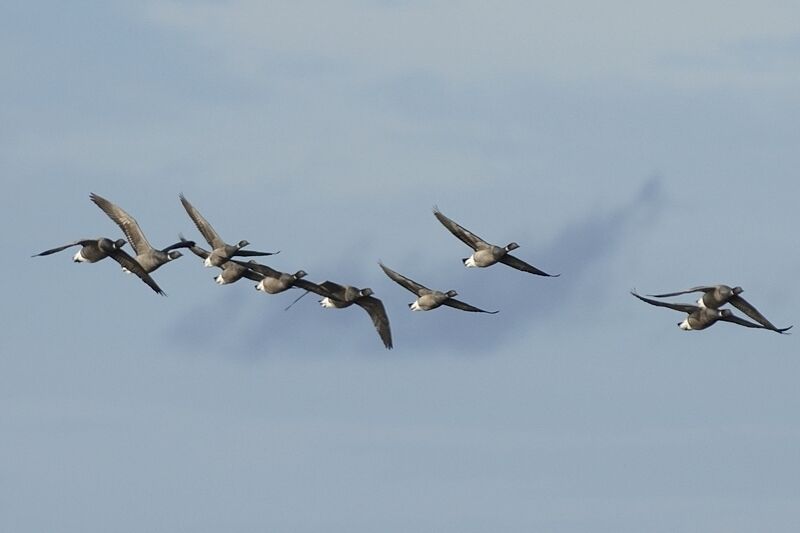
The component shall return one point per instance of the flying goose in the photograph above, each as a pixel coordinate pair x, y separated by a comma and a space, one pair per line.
220, 252
94, 250
717, 295
486, 254
340, 296
231, 271
271, 281
702, 317
147, 256
427, 298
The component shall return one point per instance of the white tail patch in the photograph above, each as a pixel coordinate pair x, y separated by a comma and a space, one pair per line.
415, 306
470, 262
220, 280
207, 262
78, 257
326, 302
701, 303
260, 286
685, 325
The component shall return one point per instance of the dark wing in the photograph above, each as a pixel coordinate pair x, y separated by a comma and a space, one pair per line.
374, 307
249, 274
466, 236
309, 286
60, 248
264, 270
332, 290
409, 284
211, 236
251, 253
196, 250
127, 223
684, 308
458, 304
182, 244
700, 288
125, 260
519, 264
745, 307
742, 322
313, 287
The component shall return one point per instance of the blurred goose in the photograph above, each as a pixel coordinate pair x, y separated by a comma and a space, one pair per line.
273, 282
231, 271
486, 254
340, 296
718, 295
94, 250
220, 251
702, 317
147, 256
427, 298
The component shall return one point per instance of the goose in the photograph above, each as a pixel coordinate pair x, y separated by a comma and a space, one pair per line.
335, 296
231, 271
220, 251
487, 254
94, 250
699, 318
273, 282
150, 258
427, 298
715, 296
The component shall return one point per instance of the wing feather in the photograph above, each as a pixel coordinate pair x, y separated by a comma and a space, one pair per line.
127, 223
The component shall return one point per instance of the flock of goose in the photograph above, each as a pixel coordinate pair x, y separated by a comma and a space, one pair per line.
706, 312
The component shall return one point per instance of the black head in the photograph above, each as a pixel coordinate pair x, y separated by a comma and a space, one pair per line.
725, 313
174, 254
119, 243
511, 246
300, 274
243, 243
451, 294
365, 292
737, 290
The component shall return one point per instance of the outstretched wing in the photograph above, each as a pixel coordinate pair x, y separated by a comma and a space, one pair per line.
196, 250
332, 290
745, 307
684, 308
741, 321
211, 236
700, 288
183, 243
409, 284
458, 304
519, 264
374, 307
251, 253
60, 248
310, 286
264, 270
127, 223
125, 260
466, 236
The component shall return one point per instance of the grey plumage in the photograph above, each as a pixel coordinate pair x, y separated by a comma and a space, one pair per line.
220, 251
486, 254
341, 296
148, 257
429, 299
94, 250
715, 296
699, 318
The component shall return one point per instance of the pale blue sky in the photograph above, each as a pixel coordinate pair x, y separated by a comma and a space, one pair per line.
651, 146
